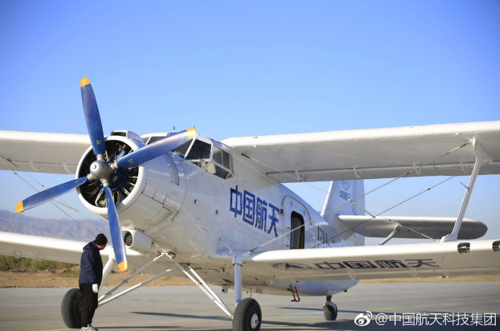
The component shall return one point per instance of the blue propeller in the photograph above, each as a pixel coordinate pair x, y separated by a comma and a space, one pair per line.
152, 151
49, 194
92, 117
116, 231
102, 171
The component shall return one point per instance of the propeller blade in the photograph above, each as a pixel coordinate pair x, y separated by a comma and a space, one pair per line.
156, 149
115, 229
49, 194
92, 117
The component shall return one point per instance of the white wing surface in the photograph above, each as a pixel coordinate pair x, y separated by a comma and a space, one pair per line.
54, 249
323, 156
41, 152
373, 153
374, 262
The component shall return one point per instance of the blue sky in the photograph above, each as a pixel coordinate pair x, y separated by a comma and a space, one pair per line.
236, 68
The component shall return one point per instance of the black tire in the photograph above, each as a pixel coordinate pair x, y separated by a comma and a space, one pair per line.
330, 312
71, 308
244, 315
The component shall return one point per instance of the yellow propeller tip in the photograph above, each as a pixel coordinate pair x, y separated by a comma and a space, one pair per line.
191, 133
84, 81
20, 207
123, 266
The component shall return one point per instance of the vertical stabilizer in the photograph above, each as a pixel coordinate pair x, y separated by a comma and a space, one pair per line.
338, 195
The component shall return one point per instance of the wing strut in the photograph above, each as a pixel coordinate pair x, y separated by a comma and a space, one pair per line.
389, 237
203, 286
109, 296
481, 157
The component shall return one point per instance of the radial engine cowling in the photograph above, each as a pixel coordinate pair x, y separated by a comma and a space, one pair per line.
144, 195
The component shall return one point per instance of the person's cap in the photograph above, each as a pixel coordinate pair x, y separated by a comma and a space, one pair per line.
101, 239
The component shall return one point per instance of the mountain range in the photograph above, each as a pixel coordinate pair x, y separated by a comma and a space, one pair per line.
81, 230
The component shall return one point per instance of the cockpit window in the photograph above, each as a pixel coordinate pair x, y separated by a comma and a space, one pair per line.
199, 151
222, 157
153, 139
182, 150
222, 163
211, 158
216, 170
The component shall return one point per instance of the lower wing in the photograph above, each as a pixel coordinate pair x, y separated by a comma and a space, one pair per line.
360, 262
372, 262
53, 249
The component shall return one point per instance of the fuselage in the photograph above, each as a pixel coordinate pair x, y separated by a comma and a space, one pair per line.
206, 203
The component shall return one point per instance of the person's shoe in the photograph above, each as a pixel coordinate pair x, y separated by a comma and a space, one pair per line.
91, 328
84, 328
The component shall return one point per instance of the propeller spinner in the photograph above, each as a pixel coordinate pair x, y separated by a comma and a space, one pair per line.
103, 170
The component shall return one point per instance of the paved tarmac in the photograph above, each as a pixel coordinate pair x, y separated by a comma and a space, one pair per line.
186, 308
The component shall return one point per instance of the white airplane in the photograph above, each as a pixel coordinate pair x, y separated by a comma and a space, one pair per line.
217, 212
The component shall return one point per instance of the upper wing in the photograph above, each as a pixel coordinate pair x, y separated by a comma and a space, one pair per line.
41, 152
371, 262
374, 153
434, 227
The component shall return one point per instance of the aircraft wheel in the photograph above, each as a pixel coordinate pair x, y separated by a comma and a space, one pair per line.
71, 308
247, 316
330, 311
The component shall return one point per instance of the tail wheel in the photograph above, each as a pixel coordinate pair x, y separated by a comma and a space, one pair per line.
71, 308
247, 316
330, 311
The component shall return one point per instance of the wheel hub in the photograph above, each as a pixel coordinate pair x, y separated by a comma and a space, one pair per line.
254, 321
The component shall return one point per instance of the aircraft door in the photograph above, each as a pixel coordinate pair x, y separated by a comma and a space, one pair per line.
295, 216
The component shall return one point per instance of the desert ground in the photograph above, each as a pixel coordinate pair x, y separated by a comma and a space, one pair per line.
69, 278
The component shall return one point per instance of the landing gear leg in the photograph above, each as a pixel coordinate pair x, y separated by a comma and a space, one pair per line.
330, 309
107, 269
247, 315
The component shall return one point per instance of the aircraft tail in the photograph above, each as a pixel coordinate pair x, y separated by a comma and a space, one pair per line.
338, 195
336, 203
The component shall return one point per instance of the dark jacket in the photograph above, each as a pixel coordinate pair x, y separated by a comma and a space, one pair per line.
90, 265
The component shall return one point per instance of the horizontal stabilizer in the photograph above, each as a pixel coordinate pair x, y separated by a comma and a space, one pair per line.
434, 227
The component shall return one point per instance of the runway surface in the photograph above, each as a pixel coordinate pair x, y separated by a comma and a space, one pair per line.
186, 308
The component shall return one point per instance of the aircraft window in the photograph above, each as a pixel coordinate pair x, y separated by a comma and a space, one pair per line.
182, 150
297, 239
217, 155
222, 158
199, 151
223, 163
220, 164
214, 169
223, 173
153, 139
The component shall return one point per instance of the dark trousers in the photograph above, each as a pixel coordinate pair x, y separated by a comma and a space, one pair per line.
89, 304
